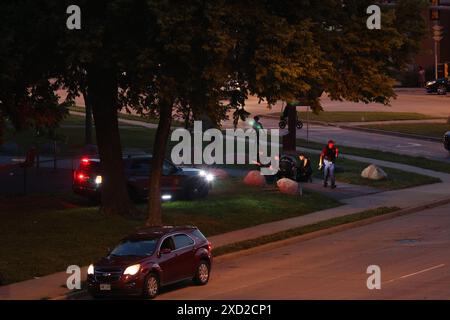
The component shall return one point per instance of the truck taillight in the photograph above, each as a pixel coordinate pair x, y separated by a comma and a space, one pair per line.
81, 176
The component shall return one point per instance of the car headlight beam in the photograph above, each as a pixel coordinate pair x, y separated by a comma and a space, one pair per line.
98, 179
90, 269
132, 270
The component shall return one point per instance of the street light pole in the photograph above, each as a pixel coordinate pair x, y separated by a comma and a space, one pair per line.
436, 59
438, 35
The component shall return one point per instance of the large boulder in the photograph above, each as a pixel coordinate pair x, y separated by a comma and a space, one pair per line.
288, 186
254, 178
374, 172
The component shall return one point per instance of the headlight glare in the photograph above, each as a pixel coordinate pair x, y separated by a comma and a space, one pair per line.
132, 270
90, 269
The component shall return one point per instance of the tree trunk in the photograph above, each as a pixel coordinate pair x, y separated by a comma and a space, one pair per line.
2, 128
289, 140
88, 118
159, 151
102, 83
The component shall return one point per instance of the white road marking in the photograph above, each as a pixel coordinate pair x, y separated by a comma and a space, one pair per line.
415, 273
408, 145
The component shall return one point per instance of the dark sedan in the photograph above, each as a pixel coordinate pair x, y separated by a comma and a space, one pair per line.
439, 86
149, 259
176, 182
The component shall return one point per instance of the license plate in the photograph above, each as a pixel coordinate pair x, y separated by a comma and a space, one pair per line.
105, 287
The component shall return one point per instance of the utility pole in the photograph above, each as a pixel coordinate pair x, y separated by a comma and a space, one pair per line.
438, 32
438, 35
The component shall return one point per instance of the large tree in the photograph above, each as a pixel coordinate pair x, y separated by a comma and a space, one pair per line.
162, 56
27, 97
278, 50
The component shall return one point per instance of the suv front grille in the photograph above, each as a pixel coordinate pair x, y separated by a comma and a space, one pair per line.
107, 274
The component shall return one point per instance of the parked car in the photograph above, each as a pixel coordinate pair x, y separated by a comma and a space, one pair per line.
176, 182
447, 141
439, 86
145, 261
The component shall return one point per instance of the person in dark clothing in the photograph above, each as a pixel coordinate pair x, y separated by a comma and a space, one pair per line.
304, 170
287, 168
327, 160
257, 126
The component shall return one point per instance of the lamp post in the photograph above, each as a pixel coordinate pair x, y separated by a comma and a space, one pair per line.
438, 35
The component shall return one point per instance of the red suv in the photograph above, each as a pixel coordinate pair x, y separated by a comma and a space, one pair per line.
149, 259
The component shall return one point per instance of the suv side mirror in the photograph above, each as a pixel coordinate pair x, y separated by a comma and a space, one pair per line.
165, 251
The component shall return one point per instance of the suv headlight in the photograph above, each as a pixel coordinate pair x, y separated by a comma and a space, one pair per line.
132, 270
90, 269
208, 176
98, 179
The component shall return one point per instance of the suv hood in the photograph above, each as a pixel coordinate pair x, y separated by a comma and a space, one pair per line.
187, 171
119, 261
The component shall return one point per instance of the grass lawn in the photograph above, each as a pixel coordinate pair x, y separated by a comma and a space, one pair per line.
436, 130
350, 172
356, 116
53, 235
128, 116
71, 139
420, 162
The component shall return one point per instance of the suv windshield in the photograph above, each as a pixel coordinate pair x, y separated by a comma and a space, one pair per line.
135, 248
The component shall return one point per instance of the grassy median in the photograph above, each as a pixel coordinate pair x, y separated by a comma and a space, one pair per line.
358, 116
434, 130
43, 235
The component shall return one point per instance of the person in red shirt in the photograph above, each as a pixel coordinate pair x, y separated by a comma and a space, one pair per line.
327, 160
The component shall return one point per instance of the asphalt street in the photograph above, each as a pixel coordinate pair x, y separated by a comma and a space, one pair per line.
367, 140
413, 253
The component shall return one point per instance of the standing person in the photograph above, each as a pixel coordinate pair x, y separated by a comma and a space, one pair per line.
421, 74
304, 171
327, 159
257, 126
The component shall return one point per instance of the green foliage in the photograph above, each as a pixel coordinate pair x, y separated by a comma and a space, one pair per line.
188, 53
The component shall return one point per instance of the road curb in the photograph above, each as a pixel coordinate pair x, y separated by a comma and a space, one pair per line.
332, 230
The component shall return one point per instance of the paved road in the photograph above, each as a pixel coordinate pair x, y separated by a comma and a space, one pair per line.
410, 100
413, 252
367, 140
413, 100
